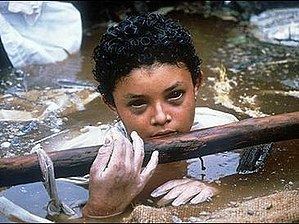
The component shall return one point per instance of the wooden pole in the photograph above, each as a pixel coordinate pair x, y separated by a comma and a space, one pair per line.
77, 161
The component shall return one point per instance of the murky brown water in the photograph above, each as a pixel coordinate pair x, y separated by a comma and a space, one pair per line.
256, 69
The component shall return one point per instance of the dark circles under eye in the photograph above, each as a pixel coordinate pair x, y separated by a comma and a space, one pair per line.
138, 110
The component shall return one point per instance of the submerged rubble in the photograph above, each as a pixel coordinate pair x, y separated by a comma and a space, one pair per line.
29, 115
277, 26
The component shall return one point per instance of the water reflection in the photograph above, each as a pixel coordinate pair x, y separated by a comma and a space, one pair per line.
34, 198
217, 166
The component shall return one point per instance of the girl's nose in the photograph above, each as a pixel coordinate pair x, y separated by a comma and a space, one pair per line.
160, 117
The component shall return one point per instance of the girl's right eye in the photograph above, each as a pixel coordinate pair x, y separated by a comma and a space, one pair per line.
137, 104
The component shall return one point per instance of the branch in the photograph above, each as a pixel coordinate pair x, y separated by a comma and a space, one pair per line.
77, 161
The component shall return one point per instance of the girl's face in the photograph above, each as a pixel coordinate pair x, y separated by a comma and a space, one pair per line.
156, 101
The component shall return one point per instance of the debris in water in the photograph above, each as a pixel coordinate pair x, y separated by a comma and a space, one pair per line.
223, 87
15, 115
293, 93
5, 145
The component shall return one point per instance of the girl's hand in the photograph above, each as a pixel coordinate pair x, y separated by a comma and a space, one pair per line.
116, 175
181, 191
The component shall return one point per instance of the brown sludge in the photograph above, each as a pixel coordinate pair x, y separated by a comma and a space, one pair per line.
275, 208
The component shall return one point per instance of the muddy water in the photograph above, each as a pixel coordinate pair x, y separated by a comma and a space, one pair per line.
263, 80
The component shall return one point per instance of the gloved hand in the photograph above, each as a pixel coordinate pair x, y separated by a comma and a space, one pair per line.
116, 176
181, 191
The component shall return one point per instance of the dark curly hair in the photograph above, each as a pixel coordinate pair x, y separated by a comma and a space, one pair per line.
140, 41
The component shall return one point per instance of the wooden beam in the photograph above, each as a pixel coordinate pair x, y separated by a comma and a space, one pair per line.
77, 161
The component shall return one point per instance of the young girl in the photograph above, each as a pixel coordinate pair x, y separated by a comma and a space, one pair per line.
149, 75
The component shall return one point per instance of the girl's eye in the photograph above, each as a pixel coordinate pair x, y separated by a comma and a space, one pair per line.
175, 95
137, 104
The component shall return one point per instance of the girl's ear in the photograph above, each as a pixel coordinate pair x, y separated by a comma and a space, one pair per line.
197, 85
198, 82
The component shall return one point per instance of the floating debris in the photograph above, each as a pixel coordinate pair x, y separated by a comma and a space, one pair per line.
5, 145
277, 26
223, 87
28, 117
16, 115
38, 104
9, 209
293, 93
65, 83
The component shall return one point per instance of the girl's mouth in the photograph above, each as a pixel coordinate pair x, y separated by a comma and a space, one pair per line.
163, 133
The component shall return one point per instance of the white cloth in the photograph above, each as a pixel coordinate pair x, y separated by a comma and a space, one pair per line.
39, 32
207, 118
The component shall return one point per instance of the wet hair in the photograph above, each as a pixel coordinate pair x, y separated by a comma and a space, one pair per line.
142, 41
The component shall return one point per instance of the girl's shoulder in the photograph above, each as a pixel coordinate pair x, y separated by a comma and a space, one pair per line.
206, 117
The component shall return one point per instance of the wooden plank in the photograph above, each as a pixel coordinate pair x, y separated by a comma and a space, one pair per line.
77, 161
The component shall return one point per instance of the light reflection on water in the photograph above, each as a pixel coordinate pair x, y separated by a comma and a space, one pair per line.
217, 166
34, 198
243, 61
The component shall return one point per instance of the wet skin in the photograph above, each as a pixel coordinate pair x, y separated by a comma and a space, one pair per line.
156, 100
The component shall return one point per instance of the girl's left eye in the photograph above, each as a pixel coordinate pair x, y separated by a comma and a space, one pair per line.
175, 95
